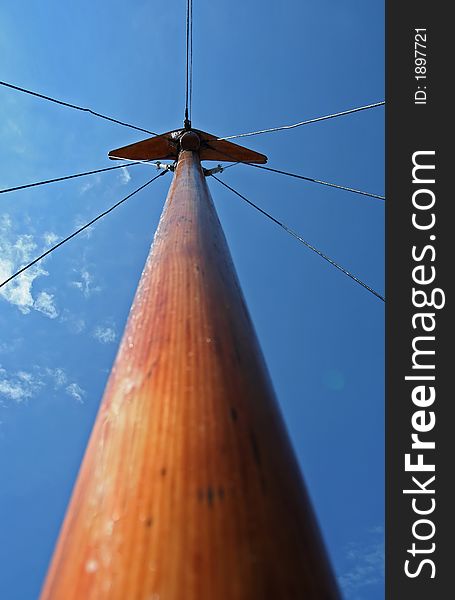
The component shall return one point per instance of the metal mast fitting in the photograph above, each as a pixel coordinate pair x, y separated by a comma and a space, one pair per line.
189, 488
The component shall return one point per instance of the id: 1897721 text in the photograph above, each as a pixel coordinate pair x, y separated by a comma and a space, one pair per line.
420, 65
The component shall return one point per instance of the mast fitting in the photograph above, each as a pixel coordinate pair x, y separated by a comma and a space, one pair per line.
217, 169
190, 141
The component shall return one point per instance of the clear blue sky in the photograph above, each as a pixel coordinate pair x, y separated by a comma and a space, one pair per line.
257, 64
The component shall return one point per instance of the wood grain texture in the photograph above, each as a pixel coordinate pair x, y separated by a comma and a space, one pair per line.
189, 488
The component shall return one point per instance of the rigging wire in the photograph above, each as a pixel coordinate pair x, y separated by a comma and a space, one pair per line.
154, 163
324, 118
311, 179
29, 185
300, 239
189, 63
88, 110
234, 164
100, 216
334, 185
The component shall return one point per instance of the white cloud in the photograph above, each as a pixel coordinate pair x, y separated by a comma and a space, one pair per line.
5, 222
85, 283
75, 391
105, 335
125, 176
23, 385
50, 238
58, 375
19, 291
78, 325
19, 386
24, 376
366, 563
13, 390
15, 252
25, 246
44, 303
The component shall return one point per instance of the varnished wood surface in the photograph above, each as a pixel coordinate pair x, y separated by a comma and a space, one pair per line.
189, 489
166, 146
160, 147
223, 150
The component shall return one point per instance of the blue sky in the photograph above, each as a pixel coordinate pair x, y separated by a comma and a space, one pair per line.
257, 64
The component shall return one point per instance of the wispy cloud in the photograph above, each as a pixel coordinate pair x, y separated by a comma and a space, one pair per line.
80, 221
15, 252
85, 283
58, 376
10, 346
50, 238
124, 175
75, 391
89, 183
5, 221
366, 564
13, 127
20, 386
105, 335
75, 323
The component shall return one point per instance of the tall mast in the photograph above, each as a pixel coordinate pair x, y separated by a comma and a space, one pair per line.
189, 488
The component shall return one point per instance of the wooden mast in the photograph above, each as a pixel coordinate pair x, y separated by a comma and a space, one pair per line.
189, 489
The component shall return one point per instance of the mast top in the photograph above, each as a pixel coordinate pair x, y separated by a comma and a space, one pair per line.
190, 141
168, 146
